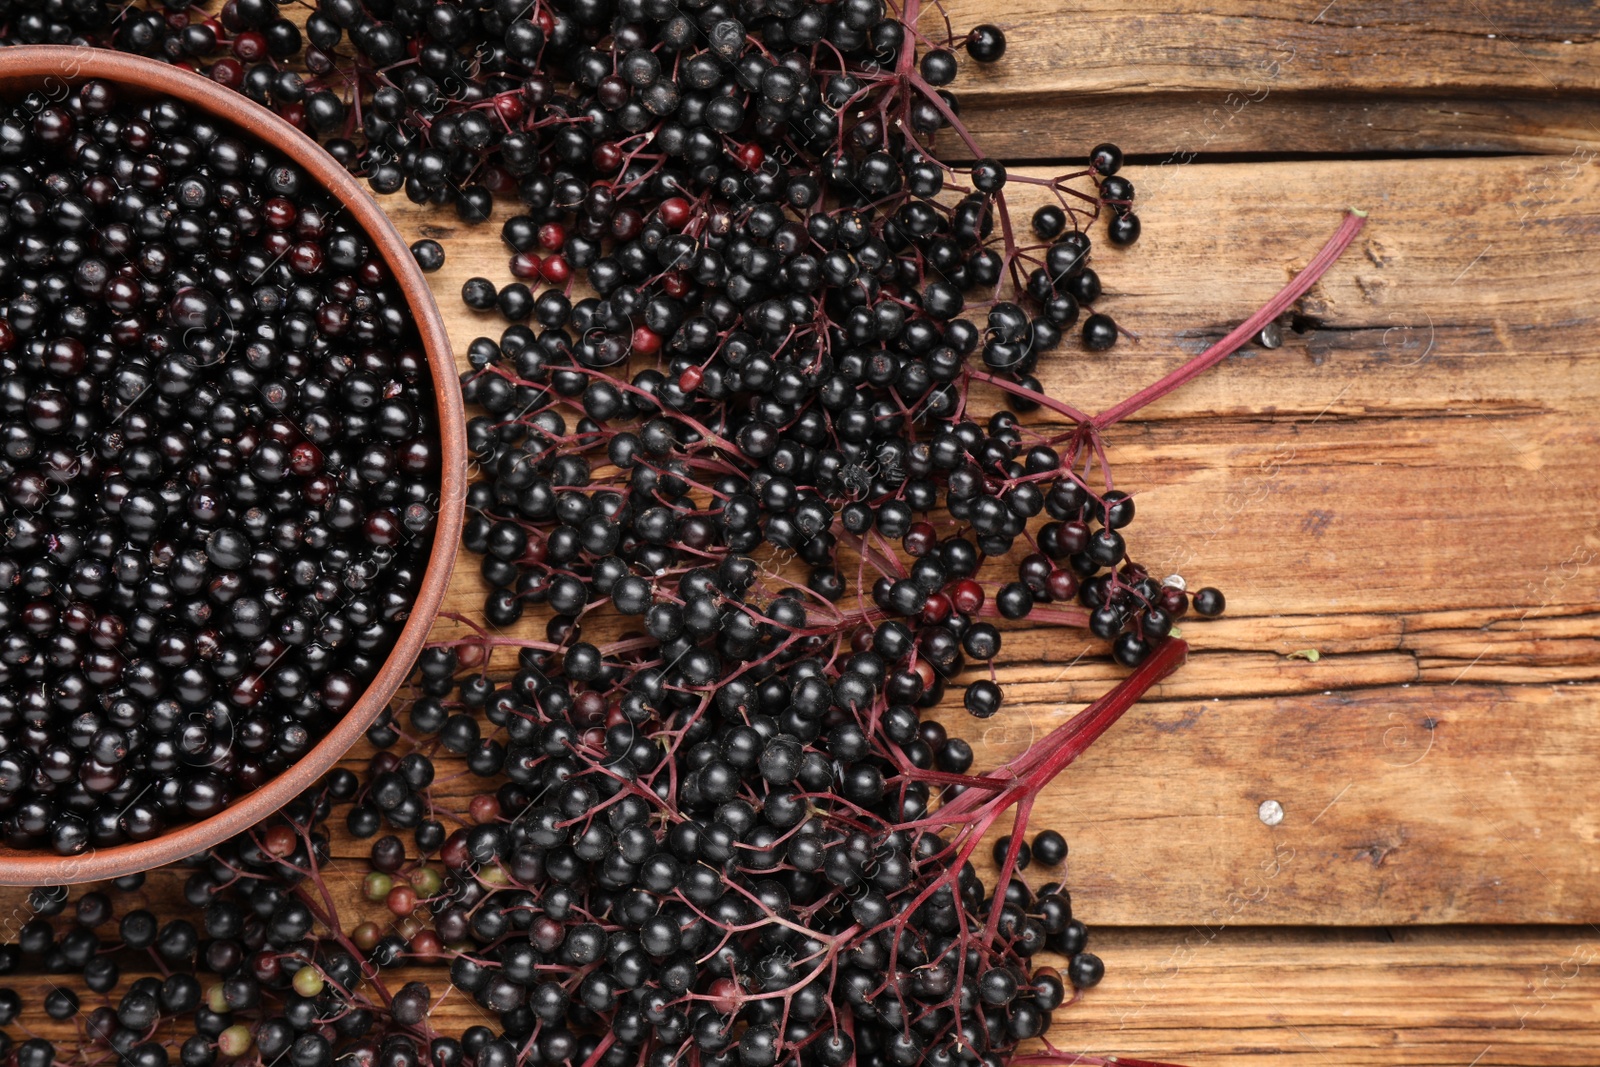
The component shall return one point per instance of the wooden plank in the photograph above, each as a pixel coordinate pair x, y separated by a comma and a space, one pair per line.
1234, 996
1424, 997
1222, 122
1203, 80
1422, 314
1405, 803
1243, 76
1459, 334
1243, 79
1392, 815
1377, 45
1360, 516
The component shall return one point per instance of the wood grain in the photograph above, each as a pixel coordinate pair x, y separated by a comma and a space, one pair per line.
1227, 124
1203, 79
1387, 46
1472, 308
1405, 489
1391, 816
1209, 81
1229, 996
1351, 45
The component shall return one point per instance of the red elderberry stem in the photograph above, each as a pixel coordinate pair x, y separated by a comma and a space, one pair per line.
1353, 221
328, 912
966, 781
1013, 850
1050, 756
1041, 399
1034, 769
600, 1050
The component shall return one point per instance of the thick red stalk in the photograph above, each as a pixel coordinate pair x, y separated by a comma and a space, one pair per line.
600, 1050
1048, 757
1009, 865
1353, 221
975, 810
1066, 410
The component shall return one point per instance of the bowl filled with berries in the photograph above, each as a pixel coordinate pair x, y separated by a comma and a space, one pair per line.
232, 463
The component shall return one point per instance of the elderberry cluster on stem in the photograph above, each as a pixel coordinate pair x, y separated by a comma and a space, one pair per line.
628, 889
561, 101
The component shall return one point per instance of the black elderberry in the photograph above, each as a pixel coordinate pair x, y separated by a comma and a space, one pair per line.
1123, 229
1085, 970
479, 294
138, 929
955, 756
981, 641
1209, 602
1155, 624
1024, 854
61, 1003
515, 302
35, 1052
982, 699
997, 986
1049, 848
988, 175
986, 43
1015, 600
1118, 510
363, 821
1099, 332
134, 594
939, 66
1106, 159
429, 254
1049, 222
1117, 190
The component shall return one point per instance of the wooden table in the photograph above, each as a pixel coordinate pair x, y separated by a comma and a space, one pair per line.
1401, 503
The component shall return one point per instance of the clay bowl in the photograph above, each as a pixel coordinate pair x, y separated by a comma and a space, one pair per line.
53, 69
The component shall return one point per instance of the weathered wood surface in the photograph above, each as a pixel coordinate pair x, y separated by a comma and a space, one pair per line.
1353, 76
1348, 45
1222, 995
1259, 122
1202, 80
1407, 488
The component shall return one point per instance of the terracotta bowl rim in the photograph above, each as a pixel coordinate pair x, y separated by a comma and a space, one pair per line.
57, 67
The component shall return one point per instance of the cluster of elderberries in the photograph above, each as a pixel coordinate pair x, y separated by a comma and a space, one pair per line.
218, 467
643, 876
563, 100
52, 21
768, 380
750, 436
735, 406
